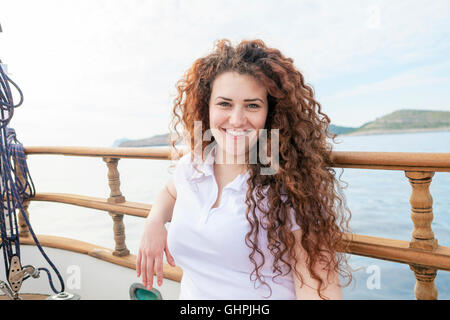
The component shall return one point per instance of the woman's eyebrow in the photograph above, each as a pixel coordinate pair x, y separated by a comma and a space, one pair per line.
224, 98
254, 100
246, 100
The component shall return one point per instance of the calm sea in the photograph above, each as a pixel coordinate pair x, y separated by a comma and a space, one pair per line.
378, 200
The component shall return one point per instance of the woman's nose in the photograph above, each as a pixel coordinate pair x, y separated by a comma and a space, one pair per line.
237, 117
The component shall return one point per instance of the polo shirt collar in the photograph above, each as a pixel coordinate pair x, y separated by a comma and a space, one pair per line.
207, 169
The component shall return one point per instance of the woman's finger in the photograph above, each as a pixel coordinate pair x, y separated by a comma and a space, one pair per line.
138, 264
169, 257
159, 269
149, 271
144, 269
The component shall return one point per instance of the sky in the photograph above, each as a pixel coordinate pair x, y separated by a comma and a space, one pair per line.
94, 71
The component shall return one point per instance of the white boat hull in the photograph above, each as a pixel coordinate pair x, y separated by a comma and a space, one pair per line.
86, 276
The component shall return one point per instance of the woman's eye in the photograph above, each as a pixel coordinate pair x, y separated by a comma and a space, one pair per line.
253, 106
224, 104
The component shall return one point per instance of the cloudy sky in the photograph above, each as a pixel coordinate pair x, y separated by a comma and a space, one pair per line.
93, 71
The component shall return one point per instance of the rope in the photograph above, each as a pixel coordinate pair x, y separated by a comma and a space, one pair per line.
16, 184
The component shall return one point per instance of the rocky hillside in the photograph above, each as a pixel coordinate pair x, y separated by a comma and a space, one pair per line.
158, 140
407, 121
340, 129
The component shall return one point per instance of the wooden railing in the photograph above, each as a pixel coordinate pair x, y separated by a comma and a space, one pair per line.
422, 253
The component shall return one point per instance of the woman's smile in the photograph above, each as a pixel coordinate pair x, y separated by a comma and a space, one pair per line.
237, 133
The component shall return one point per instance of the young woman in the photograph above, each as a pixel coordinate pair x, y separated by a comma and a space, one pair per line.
256, 211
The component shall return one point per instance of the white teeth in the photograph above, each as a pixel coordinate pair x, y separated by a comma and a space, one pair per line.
238, 133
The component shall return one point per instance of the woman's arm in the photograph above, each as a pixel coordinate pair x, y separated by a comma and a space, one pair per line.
162, 208
154, 239
308, 291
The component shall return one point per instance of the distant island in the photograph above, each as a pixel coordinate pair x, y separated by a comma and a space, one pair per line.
155, 141
405, 120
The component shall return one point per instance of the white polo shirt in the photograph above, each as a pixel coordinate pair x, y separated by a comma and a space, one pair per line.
209, 243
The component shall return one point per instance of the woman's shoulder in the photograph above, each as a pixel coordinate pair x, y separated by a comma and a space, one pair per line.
190, 169
183, 163
189, 161
185, 158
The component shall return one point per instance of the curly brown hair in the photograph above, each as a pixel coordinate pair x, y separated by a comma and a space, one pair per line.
305, 181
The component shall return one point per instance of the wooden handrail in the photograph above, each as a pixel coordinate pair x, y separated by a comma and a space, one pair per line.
368, 246
131, 153
129, 261
406, 161
396, 251
374, 247
129, 208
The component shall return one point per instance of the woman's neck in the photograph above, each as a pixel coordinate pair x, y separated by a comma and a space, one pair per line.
228, 164
229, 169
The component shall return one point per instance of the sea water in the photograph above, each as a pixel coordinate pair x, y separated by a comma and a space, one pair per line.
378, 200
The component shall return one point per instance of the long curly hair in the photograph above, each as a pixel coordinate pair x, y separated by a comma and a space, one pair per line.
305, 182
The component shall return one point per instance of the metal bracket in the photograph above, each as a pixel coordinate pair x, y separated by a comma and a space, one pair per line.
15, 270
16, 275
26, 271
8, 292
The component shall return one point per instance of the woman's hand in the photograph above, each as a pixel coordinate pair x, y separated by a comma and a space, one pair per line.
150, 256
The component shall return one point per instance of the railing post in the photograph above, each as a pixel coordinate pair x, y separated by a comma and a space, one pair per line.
422, 236
116, 197
23, 227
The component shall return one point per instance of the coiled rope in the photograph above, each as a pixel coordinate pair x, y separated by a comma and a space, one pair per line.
16, 184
